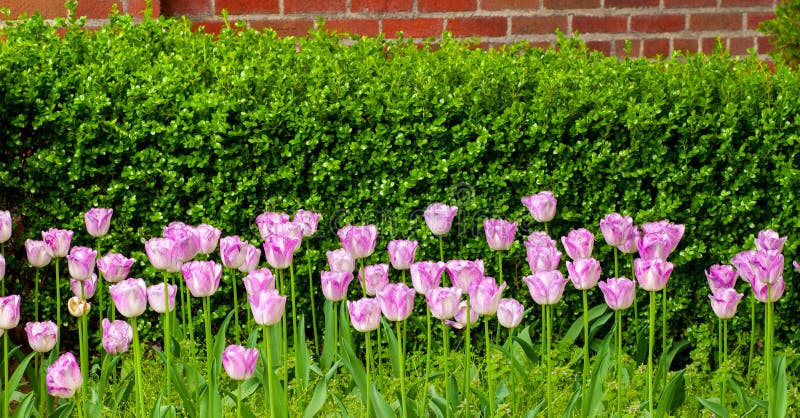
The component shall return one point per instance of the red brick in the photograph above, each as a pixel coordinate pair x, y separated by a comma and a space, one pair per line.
685, 44
510, 4
47, 8
740, 45
243, 7
602, 46
284, 27
186, 7
96, 9
613, 4
600, 24
764, 45
136, 8
524, 25
571, 4
658, 23
477, 26
366, 27
690, 3
362, 6
747, 3
414, 28
447, 5
655, 47
621, 50
708, 45
314, 6
210, 26
715, 21
753, 19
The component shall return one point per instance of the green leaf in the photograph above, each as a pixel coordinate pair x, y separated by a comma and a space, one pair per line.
317, 399
356, 368
187, 398
780, 401
13, 382
391, 342
379, 405
576, 328
714, 406
673, 395
329, 345
25, 408
302, 358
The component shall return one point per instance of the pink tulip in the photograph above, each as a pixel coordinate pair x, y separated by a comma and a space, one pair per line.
130, 297
485, 294
499, 233
359, 241
631, 244
743, 266
98, 220
186, 240
365, 314
162, 255
618, 292
652, 274
5, 226
239, 362
89, 287
616, 228
208, 238
341, 260
721, 276
439, 218
233, 251
654, 246
542, 206
767, 265
292, 230
397, 301
401, 253
460, 318
464, 272
761, 290
673, 231
267, 307
546, 287
578, 243
64, 376
9, 312
425, 275
114, 267
117, 336
42, 336
334, 284
81, 261
443, 302
769, 240
796, 265
724, 302
202, 277
308, 220
509, 312
584, 273
155, 296
539, 239
38, 254
2, 267
279, 250
259, 281
373, 278
542, 258
266, 222
252, 256
58, 242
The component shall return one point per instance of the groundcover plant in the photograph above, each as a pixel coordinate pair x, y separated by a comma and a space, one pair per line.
394, 364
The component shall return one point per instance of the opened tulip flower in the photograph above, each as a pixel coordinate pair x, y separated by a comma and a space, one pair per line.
114, 267
775, 290
129, 296
267, 221
618, 292
542, 258
401, 253
769, 240
42, 336
540, 239
84, 288
673, 231
724, 302
290, 229
359, 241
443, 302
426, 275
499, 233
259, 280
335, 283
631, 244
578, 243
251, 259
439, 218
308, 220
767, 266
157, 300
652, 274
743, 265
485, 294
654, 246
186, 240
373, 278
542, 206
202, 277
64, 377
208, 238
463, 272
397, 301
267, 307
98, 221
616, 228
341, 260
117, 336
9, 312
239, 362
5, 226
584, 272
279, 250
58, 242
509, 312
38, 256
546, 287
81, 262
162, 254
721, 276
232, 251
365, 314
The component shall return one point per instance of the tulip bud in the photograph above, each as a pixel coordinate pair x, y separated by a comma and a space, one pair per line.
267, 307
157, 299
233, 251
252, 255
129, 296
117, 336
5, 226
578, 243
542, 206
397, 301
42, 336
509, 313
439, 218
98, 221
546, 287
485, 294
279, 250
724, 302
38, 254
58, 242
64, 377
267, 221
464, 272
9, 312
584, 272
239, 362
359, 241
443, 302
373, 278
618, 292
341, 260
208, 238
115, 267
401, 253
259, 280
202, 277
308, 220
334, 284
365, 314
721, 277
426, 275
84, 288
616, 228
499, 233
81, 261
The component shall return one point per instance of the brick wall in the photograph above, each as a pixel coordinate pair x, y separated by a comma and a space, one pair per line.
653, 27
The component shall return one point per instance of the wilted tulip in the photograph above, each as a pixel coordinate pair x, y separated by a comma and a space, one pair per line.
616, 228
115, 267
546, 287
584, 273
129, 296
5, 226
542, 206
42, 336
162, 254
239, 362
84, 288
252, 256
117, 336
266, 222
308, 220
397, 301
259, 280
267, 306
443, 302
98, 220
334, 284
9, 312
578, 243
724, 302
81, 262
208, 237
365, 314
155, 296
509, 312
721, 276
464, 272
64, 376
484, 294
78, 307
359, 241
202, 277
425, 275
439, 218
618, 292
652, 274
401, 253
373, 278
499, 233
279, 250
58, 242
38, 254
341, 260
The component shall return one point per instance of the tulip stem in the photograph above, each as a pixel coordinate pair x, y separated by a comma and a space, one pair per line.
209, 344
724, 357
664, 326
584, 378
58, 307
466, 357
237, 331
285, 341
489, 389
83, 339
295, 333
635, 304
768, 351
369, 361
335, 329
441, 258
239, 398
543, 349
650, 351
167, 339
548, 314
719, 355
42, 378
268, 370
137, 366
618, 319
402, 372
752, 336
99, 290
36, 293
446, 359
5, 374
427, 355
311, 297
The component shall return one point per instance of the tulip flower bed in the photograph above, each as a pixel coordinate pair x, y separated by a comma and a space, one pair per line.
360, 363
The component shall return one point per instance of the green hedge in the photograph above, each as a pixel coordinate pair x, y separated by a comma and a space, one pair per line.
162, 123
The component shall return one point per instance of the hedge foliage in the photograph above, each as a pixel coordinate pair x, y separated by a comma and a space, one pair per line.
164, 123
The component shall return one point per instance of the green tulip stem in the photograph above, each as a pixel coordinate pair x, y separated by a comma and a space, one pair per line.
42, 379
101, 303
427, 354
237, 332
209, 344
335, 329
752, 336
441, 258
635, 304
239, 399
167, 339
768, 351
719, 354
650, 352
361, 277
402, 371
58, 306
585, 376
446, 360
295, 332
285, 351
724, 357
618, 320
369, 377
83, 340
36, 294
487, 353
5, 374
664, 326
137, 366
466, 357
268, 370
549, 315
513, 372
543, 349
3, 282
311, 297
